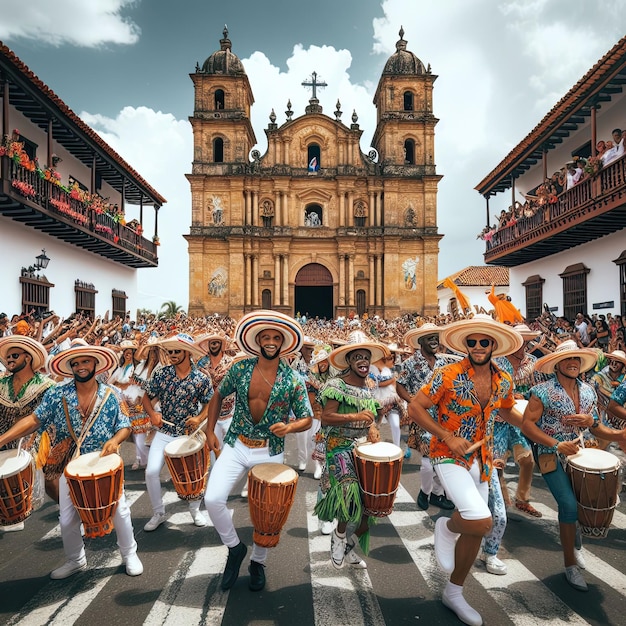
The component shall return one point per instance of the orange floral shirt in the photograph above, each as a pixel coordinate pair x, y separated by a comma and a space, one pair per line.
452, 390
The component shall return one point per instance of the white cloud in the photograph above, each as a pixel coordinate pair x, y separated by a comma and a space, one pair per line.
82, 23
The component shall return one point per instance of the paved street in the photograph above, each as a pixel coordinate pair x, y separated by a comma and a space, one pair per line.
402, 584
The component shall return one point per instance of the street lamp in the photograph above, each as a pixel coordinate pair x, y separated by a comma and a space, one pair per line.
41, 260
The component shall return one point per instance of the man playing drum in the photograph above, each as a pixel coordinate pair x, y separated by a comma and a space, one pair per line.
348, 412
267, 389
559, 412
180, 388
468, 395
86, 414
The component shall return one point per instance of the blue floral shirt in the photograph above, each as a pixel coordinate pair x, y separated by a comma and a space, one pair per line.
619, 395
180, 398
288, 397
51, 414
557, 404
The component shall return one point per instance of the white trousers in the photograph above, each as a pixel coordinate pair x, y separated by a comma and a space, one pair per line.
233, 463
220, 430
430, 481
393, 417
156, 461
69, 520
141, 449
305, 440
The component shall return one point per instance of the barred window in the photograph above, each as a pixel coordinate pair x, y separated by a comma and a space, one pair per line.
534, 296
85, 294
574, 290
621, 263
119, 302
35, 294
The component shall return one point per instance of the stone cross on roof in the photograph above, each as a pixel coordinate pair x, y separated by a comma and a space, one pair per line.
315, 84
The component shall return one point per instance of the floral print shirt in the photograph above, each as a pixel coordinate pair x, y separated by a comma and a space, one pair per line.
458, 409
557, 404
288, 399
51, 414
180, 398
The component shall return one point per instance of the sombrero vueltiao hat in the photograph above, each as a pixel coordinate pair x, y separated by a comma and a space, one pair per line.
526, 333
356, 340
507, 340
567, 350
320, 353
59, 364
34, 348
617, 355
412, 336
251, 324
182, 341
128, 344
204, 341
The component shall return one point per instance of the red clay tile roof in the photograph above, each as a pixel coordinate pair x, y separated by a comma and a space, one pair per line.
574, 99
480, 276
46, 92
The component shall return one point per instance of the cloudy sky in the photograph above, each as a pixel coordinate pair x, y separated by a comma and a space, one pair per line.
123, 66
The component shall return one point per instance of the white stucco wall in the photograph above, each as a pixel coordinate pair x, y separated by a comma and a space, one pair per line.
602, 280
20, 245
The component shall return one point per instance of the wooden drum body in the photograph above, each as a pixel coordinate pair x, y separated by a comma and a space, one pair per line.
271, 491
16, 486
187, 459
95, 484
595, 476
378, 467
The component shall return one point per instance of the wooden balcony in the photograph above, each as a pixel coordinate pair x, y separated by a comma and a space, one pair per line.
591, 209
43, 205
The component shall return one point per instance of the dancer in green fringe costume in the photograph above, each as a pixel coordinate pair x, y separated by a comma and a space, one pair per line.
348, 412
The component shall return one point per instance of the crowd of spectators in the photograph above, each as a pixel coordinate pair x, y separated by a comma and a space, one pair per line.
566, 178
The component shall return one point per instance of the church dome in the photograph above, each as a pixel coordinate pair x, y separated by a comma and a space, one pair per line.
403, 61
223, 61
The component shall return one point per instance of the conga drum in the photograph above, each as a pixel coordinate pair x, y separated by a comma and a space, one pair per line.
16, 486
271, 491
595, 476
95, 484
378, 468
187, 459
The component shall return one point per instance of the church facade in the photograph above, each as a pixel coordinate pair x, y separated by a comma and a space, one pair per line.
314, 225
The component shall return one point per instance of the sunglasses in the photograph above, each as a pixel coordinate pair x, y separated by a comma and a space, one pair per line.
484, 343
15, 355
174, 351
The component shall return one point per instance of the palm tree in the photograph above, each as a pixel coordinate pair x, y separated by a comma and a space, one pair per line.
170, 309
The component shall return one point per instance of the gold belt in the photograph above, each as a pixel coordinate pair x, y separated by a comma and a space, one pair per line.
252, 443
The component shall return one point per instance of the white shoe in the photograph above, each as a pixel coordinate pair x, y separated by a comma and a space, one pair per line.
134, 567
318, 470
352, 558
198, 518
445, 544
68, 568
244, 492
13, 528
302, 466
155, 521
337, 550
462, 609
575, 578
493, 564
580, 558
327, 527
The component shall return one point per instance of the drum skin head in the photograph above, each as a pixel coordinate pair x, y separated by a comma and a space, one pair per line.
92, 464
379, 451
183, 446
11, 464
594, 460
273, 473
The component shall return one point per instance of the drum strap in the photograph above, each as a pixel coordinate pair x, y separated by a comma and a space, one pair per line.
84, 431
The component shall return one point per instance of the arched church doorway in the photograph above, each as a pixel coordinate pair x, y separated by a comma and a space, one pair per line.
314, 291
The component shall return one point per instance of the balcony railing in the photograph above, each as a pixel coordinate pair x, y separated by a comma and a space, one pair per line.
592, 208
93, 230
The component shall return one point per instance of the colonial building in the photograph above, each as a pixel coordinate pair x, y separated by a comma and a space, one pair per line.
67, 199
567, 248
313, 225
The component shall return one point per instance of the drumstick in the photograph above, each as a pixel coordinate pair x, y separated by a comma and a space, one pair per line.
168, 423
475, 446
582, 441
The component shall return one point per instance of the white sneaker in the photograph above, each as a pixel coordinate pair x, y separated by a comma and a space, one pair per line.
244, 492
327, 527
337, 550
317, 474
575, 578
68, 568
580, 558
13, 528
134, 567
155, 521
352, 558
493, 564
463, 610
445, 544
302, 466
198, 518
